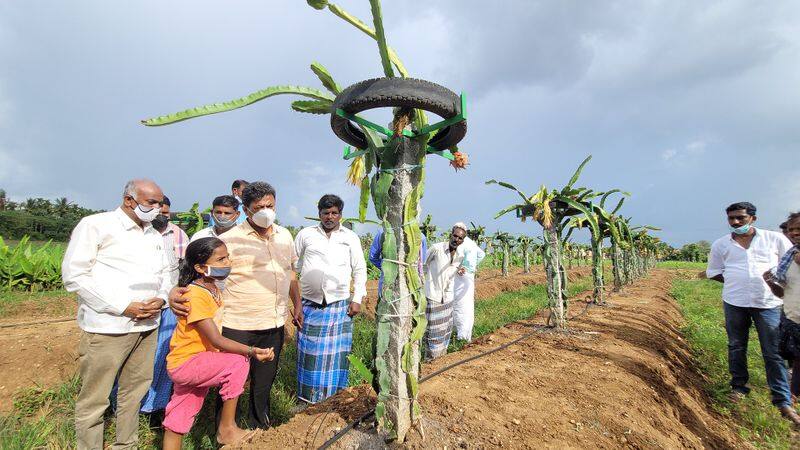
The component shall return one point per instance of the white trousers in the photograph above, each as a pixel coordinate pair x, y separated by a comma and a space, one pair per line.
464, 305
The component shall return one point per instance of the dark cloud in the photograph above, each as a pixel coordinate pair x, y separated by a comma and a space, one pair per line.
688, 105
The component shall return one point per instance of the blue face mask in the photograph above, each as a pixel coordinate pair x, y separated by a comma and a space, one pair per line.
741, 230
218, 273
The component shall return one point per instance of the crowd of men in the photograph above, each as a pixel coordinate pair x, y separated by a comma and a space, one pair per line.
123, 265
760, 272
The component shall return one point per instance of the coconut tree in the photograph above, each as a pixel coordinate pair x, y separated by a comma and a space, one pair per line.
552, 208
388, 165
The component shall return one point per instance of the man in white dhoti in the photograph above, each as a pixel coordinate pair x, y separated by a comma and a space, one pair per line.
464, 288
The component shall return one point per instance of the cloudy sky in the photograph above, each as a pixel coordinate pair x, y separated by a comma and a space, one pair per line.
688, 105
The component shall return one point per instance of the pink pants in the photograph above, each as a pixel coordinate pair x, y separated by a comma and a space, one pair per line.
192, 380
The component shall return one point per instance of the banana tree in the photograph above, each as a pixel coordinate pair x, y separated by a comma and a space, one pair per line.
388, 165
552, 208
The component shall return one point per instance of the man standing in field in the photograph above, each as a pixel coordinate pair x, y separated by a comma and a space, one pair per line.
464, 288
376, 257
224, 216
330, 255
738, 260
116, 263
257, 291
441, 265
784, 281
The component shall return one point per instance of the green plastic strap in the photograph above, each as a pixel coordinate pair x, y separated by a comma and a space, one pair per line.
446, 154
362, 121
447, 122
350, 153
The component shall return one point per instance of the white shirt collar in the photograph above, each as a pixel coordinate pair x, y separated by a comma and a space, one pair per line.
127, 222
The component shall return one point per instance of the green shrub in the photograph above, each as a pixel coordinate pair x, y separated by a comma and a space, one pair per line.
24, 267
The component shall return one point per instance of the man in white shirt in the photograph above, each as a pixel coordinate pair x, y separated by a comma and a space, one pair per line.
442, 264
739, 260
784, 281
115, 262
224, 216
329, 256
464, 288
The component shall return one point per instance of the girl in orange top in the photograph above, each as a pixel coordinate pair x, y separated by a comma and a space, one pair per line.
200, 357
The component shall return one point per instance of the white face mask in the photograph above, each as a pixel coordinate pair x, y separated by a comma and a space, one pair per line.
146, 216
264, 217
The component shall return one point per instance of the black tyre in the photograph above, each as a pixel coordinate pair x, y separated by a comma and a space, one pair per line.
398, 92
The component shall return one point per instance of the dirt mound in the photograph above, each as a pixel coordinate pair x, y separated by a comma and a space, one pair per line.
622, 377
37, 355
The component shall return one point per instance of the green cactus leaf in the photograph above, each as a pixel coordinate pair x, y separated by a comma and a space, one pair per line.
216, 108
312, 106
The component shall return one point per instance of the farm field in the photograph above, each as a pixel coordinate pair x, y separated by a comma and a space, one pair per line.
624, 376
635, 373
40, 327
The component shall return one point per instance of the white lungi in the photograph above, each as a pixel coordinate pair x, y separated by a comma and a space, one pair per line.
464, 305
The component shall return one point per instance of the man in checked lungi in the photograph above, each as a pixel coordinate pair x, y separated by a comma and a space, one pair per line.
443, 262
330, 256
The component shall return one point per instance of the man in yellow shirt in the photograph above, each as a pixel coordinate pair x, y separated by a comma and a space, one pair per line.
257, 292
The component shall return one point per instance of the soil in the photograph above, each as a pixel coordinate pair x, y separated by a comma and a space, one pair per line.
37, 355
622, 377
43, 332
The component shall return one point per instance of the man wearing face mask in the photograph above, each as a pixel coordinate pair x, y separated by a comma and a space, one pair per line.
443, 262
225, 215
257, 291
175, 243
116, 263
174, 236
738, 260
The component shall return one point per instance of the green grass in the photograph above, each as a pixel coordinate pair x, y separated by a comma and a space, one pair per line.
682, 265
50, 302
510, 307
760, 422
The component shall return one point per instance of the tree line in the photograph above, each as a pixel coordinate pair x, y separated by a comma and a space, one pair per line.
39, 218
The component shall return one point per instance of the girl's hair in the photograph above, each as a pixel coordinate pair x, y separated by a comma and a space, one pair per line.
792, 216
197, 252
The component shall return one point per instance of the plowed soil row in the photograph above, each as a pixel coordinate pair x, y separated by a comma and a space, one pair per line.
623, 377
43, 353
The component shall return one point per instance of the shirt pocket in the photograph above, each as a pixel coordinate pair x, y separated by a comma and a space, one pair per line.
242, 263
339, 254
